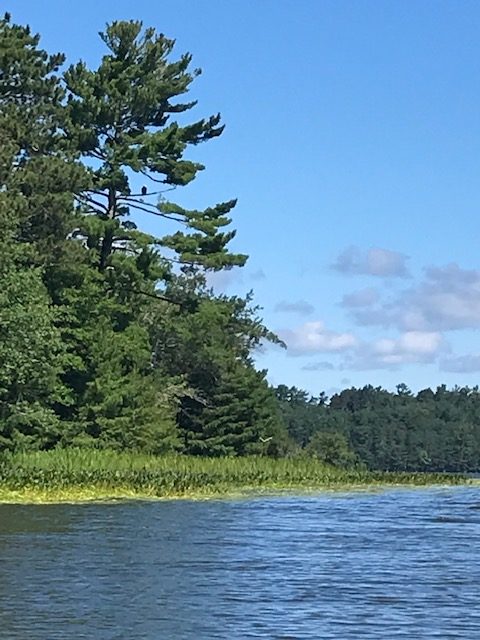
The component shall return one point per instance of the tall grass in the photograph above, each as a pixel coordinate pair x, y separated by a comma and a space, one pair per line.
112, 473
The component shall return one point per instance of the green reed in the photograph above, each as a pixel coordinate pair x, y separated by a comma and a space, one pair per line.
110, 472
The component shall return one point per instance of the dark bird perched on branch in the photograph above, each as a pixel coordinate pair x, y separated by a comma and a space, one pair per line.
144, 191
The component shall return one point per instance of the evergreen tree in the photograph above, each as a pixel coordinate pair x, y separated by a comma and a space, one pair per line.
30, 357
227, 407
104, 341
31, 353
38, 167
120, 118
239, 416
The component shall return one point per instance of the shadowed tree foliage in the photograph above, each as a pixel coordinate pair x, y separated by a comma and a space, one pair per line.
30, 343
226, 407
38, 168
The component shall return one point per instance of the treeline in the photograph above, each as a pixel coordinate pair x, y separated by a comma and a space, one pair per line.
109, 336
430, 431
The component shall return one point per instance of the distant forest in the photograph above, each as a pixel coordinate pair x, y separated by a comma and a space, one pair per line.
430, 431
110, 336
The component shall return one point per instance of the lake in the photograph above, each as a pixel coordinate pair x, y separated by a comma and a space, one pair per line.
403, 563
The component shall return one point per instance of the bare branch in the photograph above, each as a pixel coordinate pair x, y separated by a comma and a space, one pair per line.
155, 212
147, 175
149, 193
90, 200
151, 295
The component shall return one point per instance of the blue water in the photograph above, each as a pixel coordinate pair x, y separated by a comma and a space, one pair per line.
395, 564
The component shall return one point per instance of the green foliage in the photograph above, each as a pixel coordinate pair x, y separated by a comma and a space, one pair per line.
228, 408
38, 171
121, 119
431, 431
30, 357
331, 448
122, 404
237, 417
302, 414
109, 337
63, 474
30, 93
90, 305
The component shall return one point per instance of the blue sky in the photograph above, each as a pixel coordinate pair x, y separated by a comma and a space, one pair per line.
352, 142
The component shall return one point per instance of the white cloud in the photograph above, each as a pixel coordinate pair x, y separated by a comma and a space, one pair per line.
313, 337
447, 299
410, 347
374, 262
301, 307
390, 353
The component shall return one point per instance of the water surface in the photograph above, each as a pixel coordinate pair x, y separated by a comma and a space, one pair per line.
396, 564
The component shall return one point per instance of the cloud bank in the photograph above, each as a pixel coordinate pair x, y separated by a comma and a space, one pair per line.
416, 320
447, 299
411, 347
313, 337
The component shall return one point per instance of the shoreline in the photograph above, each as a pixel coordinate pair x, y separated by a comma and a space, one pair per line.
99, 495
82, 476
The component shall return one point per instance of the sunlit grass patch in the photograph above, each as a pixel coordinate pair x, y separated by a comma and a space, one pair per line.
86, 474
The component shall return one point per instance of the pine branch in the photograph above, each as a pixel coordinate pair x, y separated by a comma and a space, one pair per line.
150, 177
155, 212
91, 201
150, 295
149, 193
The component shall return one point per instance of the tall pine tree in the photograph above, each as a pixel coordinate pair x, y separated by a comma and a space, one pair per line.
121, 117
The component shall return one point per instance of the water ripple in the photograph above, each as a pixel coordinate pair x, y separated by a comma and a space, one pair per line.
398, 564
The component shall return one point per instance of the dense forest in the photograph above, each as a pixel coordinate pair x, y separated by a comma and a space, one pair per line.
430, 431
110, 336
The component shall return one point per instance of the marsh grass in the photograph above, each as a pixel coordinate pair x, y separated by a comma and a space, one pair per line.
86, 474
